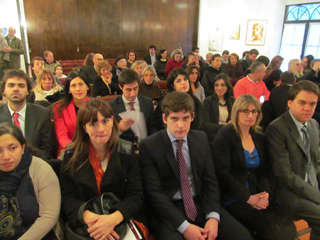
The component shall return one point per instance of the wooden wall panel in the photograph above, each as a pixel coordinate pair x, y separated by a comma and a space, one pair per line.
73, 28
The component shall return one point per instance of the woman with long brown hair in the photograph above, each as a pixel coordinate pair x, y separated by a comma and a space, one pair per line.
98, 162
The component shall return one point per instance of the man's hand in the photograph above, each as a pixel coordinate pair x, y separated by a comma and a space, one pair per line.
212, 226
7, 49
194, 232
125, 124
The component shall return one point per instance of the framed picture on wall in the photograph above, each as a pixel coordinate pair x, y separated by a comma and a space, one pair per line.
256, 32
234, 32
215, 40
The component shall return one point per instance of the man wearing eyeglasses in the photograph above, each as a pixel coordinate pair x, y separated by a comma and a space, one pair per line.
293, 144
253, 84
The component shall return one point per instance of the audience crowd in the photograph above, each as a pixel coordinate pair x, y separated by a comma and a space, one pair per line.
225, 148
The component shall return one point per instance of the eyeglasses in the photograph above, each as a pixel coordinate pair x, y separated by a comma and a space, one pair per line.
247, 112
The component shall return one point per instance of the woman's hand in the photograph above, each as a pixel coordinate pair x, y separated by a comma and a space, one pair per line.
109, 77
101, 226
259, 201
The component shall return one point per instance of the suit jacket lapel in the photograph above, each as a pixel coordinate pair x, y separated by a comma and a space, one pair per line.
194, 156
114, 170
167, 148
5, 114
120, 104
142, 105
294, 131
85, 174
30, 122
313, 144
215, 107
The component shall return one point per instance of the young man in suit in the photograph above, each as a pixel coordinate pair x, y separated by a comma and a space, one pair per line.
182, 191
293, 143
130, 101
33, 120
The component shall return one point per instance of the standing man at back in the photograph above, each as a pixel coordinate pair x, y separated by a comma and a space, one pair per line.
15, 49
293, 143
33, 120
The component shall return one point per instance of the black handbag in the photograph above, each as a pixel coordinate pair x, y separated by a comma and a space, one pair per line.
102, 205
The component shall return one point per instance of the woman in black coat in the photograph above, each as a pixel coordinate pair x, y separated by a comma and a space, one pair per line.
103, 84
95, 163
216, 109
245, 175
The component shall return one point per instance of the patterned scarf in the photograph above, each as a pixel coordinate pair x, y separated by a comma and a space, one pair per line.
11, 226
96, 165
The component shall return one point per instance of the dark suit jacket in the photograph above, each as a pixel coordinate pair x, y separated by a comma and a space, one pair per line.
279, 99
146, 107
147, 58
38, 127
90, 73
122, 178
100, 88
289, 159
17, 49
210, 110
230, 163
160, 176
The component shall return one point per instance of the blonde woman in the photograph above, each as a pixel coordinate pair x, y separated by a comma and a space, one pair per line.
295, 67
46, 85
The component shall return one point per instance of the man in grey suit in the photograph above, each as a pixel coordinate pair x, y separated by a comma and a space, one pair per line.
293, 143
33, 120
130, 101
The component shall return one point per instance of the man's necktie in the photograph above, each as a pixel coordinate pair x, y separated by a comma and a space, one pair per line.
132, 106
187, 198
310, 170
15, 119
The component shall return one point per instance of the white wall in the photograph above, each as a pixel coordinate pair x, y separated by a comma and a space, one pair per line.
223, 14
9, 18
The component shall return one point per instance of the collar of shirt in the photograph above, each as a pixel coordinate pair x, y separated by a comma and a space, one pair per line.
128, 107
21, 118
251, 80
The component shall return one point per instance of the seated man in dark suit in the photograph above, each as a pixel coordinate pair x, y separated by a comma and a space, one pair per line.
293, 143
178, 176
279, 95
130, 101
151, 58
33, 120
90, 71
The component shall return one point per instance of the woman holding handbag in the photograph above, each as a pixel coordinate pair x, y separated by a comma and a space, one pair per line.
98, 162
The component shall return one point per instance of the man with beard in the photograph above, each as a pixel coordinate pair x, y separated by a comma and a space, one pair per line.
33, 120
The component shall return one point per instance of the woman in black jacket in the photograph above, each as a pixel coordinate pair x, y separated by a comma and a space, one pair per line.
217, 108
244, 173
95, 163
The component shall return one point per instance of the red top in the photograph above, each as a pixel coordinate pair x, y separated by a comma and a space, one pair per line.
245, 86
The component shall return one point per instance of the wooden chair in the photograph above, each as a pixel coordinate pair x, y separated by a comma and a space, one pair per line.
109, 97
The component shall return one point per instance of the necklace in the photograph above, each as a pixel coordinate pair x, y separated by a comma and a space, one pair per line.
222, 104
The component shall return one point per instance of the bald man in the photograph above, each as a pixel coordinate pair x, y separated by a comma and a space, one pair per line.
91, 70
15, 48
